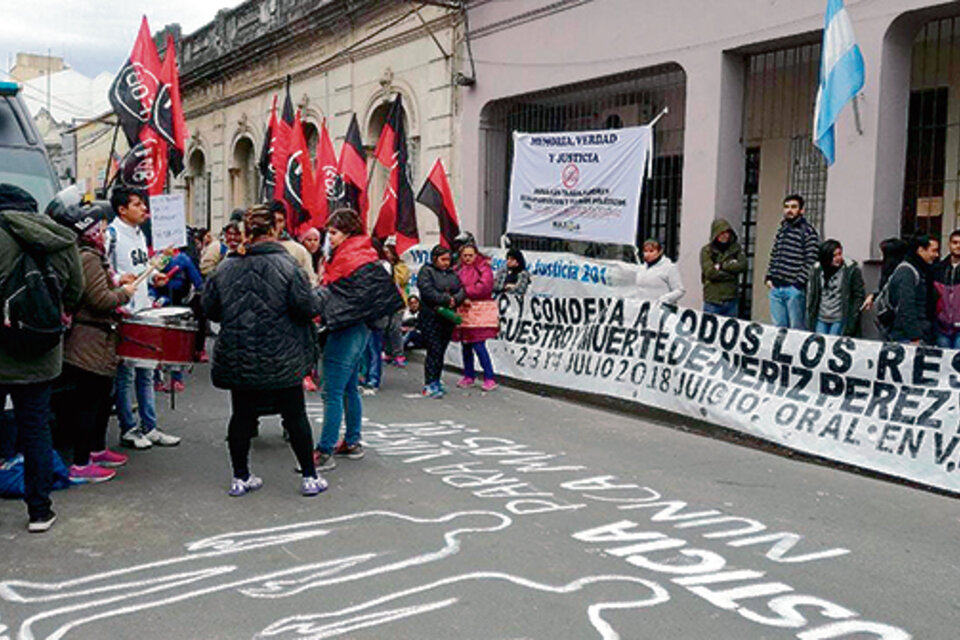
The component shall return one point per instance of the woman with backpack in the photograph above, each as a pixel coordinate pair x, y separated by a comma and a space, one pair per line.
90, 349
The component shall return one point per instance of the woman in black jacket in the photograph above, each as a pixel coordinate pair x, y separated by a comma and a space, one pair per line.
265, 307
440, 288
357, 291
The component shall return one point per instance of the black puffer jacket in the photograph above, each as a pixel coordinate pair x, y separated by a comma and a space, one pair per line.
436, 287
265, 308
365, 295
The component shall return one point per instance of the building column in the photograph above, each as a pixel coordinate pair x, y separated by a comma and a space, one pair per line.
713, 158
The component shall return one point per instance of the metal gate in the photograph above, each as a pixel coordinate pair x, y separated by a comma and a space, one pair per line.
626, 99
931, 190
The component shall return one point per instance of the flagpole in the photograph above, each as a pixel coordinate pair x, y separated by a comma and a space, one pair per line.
106, 170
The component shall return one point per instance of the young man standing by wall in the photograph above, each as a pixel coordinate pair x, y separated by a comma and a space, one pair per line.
795, 250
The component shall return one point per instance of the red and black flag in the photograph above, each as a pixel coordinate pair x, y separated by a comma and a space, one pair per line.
282, 144
435, 195
265, 164
298, 189
145, 165
167, 118
353, 171
398, 213
325, 177
134, 90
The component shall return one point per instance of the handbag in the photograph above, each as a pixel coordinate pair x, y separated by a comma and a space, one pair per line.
481, 314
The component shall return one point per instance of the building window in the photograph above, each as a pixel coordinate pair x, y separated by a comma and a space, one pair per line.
808, 177
931, 189
623, 100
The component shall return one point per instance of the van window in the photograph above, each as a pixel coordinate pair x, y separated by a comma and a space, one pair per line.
11, 130
27, 168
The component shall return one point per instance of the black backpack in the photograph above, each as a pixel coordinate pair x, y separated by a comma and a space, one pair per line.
31, 321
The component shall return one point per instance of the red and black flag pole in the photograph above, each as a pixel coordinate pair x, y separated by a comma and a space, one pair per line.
282, 145
132, 95
325, 177
267, 176
353, 171
435, 194
167, 118
298, 188
398, 215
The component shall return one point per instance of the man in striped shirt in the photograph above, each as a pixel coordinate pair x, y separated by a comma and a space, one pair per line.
794, 252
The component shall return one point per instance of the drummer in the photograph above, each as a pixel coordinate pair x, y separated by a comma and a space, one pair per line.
127, 251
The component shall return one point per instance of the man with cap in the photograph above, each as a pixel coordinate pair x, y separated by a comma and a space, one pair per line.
28, 379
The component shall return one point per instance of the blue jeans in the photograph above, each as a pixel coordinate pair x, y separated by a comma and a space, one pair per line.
730, 308
341, 364
31, 410
948, 342
141, 377
788, 306
829, 328
373, 360
481, 350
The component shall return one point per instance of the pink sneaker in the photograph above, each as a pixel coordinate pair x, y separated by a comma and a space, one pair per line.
178, 386
465, 382
309, 384
107, 458
89, 474
489, 385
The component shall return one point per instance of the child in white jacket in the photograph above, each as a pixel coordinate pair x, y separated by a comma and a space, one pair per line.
658, 278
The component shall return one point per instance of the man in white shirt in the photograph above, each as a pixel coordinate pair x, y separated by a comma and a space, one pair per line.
128, 254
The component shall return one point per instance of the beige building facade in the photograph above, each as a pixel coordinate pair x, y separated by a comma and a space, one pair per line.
342, 58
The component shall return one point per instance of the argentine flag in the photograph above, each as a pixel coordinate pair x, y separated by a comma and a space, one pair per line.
841, 75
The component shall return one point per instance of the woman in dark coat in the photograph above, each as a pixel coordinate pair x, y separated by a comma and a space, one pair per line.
265, 307
440, 289
356, 291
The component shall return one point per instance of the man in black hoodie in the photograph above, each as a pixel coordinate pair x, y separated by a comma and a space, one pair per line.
911, 292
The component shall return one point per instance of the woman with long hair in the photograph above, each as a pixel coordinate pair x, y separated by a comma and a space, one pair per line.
356, 291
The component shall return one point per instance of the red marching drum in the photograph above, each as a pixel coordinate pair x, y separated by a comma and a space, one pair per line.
159, 336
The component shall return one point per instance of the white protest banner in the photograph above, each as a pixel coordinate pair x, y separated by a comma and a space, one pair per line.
579, 186
168, 221
886, 407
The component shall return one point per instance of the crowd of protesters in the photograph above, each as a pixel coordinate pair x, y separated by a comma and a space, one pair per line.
324, 310
327, 309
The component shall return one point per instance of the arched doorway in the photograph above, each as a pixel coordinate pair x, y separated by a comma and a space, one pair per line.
243, 174
198, 190
312, 136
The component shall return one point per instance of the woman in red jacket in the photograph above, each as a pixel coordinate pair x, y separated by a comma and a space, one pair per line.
476, 275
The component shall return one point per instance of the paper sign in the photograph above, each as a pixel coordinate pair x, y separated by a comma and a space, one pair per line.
168, 220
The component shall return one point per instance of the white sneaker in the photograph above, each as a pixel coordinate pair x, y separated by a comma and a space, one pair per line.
135, 439
161, 439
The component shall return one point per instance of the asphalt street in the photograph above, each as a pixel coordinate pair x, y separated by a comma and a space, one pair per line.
500, 515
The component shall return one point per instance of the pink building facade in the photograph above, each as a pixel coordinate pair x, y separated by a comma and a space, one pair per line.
739, 78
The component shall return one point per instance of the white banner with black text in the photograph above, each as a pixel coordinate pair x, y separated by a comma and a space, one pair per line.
887, 407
